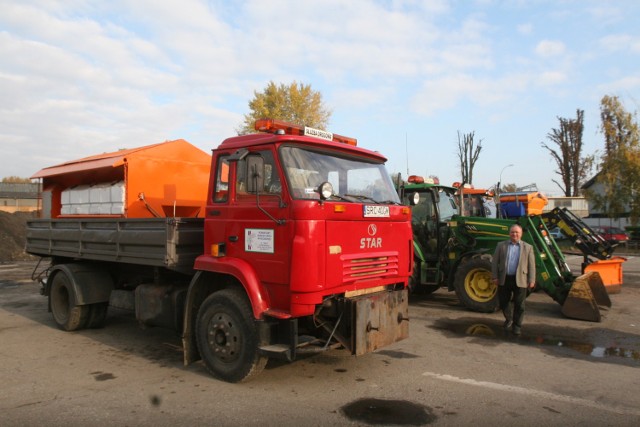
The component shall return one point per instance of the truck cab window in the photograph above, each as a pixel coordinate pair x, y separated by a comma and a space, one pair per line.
221, 193
268, 179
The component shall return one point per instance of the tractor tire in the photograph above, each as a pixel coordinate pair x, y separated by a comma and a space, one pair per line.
227, 336
474, 287
62, 300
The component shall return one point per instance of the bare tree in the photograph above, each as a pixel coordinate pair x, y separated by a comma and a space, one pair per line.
572, 167
468, 153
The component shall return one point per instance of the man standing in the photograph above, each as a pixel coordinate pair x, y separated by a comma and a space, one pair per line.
513, 270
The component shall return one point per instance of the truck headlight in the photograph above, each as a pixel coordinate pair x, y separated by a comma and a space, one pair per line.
325, 190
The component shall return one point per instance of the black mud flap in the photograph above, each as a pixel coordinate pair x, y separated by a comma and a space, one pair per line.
379, 320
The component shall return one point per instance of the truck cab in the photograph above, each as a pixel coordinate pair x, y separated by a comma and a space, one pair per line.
310, 228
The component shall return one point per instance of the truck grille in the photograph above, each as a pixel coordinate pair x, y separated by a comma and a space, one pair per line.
357, 267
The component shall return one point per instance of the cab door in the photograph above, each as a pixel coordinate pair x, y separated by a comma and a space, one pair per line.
259, 230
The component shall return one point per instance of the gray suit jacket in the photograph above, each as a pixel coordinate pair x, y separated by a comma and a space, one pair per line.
526, 272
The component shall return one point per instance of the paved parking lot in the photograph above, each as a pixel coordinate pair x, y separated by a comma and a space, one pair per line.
457, 368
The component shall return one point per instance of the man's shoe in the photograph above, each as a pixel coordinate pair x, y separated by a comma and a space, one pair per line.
507, 324
516, 330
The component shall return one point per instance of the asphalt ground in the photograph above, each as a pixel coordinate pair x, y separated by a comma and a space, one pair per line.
456, 368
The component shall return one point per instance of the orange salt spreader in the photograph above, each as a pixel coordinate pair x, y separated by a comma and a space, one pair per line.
168, 179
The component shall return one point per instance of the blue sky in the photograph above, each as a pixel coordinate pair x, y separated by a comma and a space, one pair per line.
79, 78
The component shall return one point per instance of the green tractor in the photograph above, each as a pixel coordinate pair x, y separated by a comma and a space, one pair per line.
454, 251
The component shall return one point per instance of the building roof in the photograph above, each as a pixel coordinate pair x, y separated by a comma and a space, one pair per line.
590, 182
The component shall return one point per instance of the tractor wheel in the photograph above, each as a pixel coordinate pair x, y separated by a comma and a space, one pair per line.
227, 336
474, 287
62, 300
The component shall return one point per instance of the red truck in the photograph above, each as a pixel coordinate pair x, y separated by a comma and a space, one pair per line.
302, 245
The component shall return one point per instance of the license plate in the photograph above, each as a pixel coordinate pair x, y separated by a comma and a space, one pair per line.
376, 211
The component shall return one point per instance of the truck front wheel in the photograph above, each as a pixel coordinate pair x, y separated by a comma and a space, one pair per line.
474, 287
227, 336
62, 299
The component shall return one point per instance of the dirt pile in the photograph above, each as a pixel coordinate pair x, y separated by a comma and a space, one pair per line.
13, 235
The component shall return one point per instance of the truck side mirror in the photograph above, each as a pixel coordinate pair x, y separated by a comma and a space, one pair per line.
255, 169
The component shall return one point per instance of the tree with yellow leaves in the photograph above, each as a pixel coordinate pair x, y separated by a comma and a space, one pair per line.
296, 103
619, 174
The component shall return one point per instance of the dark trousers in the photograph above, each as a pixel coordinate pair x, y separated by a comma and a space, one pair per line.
511, 299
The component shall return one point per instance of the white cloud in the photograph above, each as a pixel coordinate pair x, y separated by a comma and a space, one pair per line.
551, 78
446, 92
550, 48
525, 29
626, 83
607, 13
361, 98
621, 42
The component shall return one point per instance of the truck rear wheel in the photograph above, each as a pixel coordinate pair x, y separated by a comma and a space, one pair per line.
227, 336
62, 299
474, 287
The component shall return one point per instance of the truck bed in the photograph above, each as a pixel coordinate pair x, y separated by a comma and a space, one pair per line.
173, 243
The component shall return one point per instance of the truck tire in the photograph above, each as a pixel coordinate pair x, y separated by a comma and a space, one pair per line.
62, 299
227, 336
474, 287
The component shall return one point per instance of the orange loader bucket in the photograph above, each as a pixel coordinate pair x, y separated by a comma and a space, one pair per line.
586, 297
610, 271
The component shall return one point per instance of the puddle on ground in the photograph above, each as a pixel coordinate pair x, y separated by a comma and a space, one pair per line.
8, 284
557, 340
397, 354
385, 412
102, 376
155, 400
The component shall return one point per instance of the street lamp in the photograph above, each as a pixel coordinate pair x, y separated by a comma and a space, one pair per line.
498, 207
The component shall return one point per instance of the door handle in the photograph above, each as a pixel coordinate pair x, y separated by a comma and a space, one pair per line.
233, 238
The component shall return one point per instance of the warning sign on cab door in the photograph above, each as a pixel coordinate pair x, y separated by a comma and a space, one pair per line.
259, 240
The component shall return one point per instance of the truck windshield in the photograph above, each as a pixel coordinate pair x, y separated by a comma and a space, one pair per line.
354, 179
